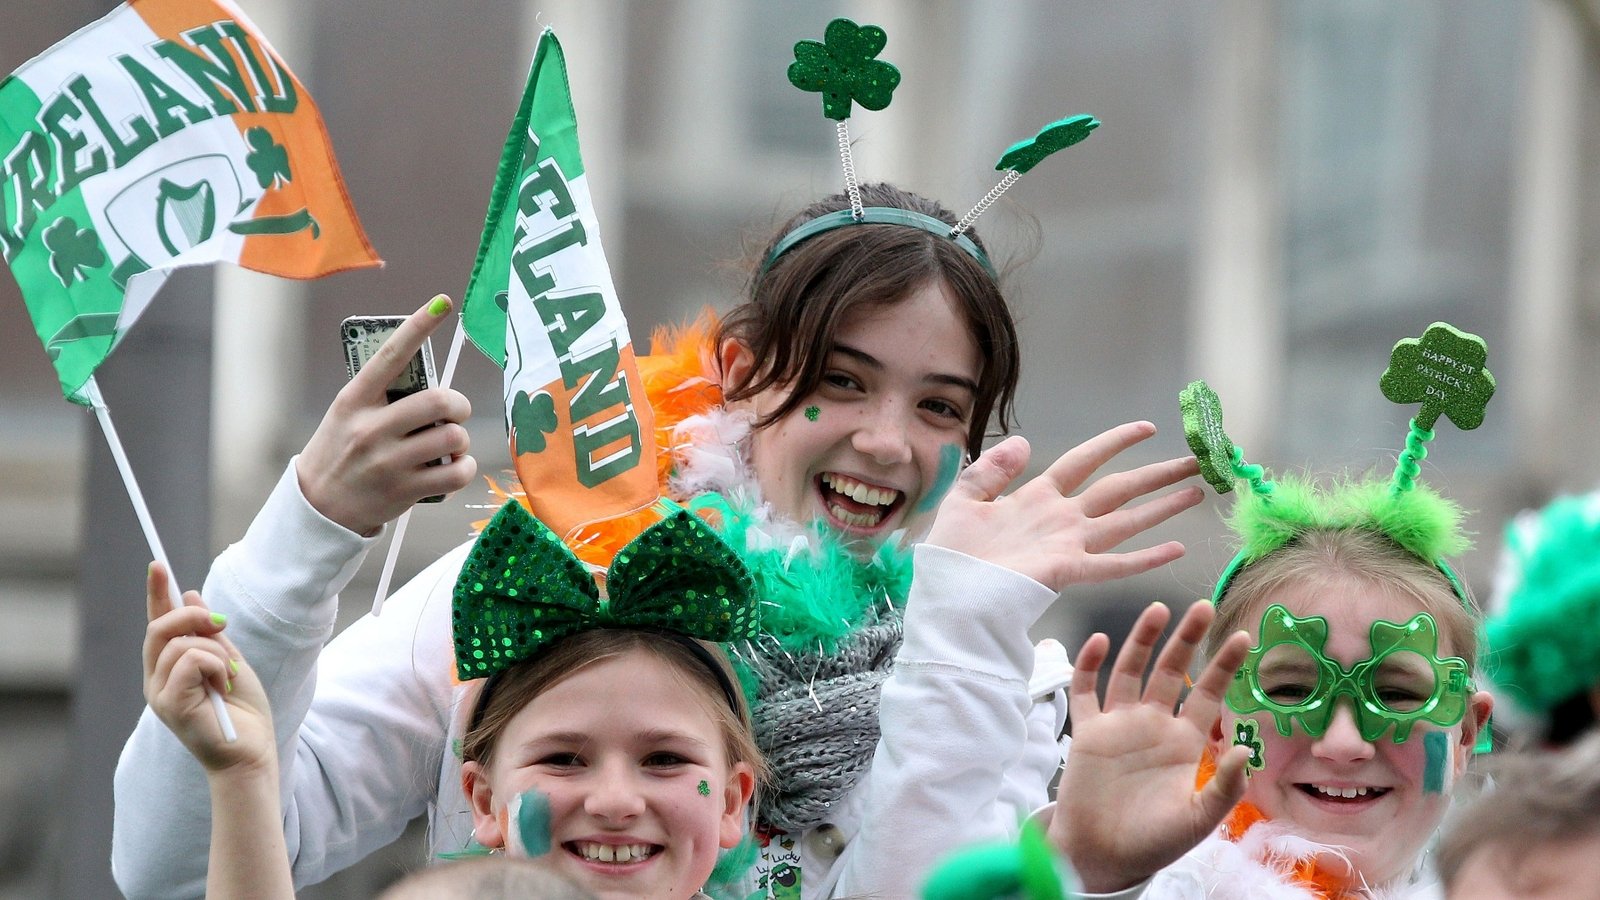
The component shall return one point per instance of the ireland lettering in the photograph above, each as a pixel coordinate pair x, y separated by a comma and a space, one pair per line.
215, 70
605, 428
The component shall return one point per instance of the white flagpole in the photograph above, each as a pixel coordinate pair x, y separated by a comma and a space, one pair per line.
405, 518
102, 413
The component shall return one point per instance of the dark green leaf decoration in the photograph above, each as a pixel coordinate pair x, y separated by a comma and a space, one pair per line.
72, 250
1202, 428
267, 158
1444, 371
843, 67
1058, 135
532, 417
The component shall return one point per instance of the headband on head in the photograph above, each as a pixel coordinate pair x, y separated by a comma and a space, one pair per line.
843, 67
1444, 371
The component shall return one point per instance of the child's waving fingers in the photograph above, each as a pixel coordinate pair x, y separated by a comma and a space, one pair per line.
1127, 673
1169, 676
1203, 707
1082, 699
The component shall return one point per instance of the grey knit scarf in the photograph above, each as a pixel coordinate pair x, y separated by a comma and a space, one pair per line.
816, 720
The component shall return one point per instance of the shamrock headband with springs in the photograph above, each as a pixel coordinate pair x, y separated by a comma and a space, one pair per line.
1444, 371
844, 68
521, 590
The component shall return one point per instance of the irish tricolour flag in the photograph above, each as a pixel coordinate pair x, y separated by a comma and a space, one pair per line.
167, 134
542, 305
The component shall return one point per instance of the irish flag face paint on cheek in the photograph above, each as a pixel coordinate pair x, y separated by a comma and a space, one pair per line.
1437, 774
529, 814
949, 468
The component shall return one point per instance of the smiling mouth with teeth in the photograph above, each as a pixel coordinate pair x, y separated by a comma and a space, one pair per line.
614, 854
1343, 795
857, 503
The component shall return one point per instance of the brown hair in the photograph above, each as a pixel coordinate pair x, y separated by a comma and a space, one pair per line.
1536, 799
1352, 552
795, 308
520, 684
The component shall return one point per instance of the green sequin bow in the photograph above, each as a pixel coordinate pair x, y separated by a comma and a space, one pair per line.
521, 589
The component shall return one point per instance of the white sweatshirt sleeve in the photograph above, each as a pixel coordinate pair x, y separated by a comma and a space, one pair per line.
955, 725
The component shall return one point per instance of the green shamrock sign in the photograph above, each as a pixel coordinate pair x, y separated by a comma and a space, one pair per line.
1202, 428
532, 417
1444, 371
1058, 135
72, 250
266, 158
843, 67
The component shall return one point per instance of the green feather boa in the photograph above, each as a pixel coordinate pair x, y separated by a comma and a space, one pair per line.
813, 589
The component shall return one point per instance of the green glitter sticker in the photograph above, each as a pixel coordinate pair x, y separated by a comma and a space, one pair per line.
813, 412
704, 788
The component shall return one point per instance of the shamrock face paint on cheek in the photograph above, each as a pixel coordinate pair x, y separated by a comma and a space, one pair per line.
529, 813
1246, 733
704, 788
949, 468
813, 413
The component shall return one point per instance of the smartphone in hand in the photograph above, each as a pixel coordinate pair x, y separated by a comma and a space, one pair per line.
363, 335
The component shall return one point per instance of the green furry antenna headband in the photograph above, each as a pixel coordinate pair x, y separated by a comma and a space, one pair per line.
1444, 371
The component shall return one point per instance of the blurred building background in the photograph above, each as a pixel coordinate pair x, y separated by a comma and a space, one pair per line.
1280, 191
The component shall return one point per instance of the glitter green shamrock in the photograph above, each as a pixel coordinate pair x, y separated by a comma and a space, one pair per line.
704, 788
1202, 428
1058, 135
1245, 734
1444, 371
532, 417
813, 413
72, 250
842, 68
266, 158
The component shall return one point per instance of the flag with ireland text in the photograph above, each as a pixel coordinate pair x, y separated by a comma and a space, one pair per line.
166, 134
541, 304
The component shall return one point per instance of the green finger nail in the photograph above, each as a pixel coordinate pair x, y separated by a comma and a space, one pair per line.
439, 306
219, 618
233, 665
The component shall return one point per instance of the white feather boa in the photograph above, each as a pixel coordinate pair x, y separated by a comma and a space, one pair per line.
1260, 866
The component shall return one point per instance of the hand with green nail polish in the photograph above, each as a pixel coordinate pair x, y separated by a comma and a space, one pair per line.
187, 649
370, 460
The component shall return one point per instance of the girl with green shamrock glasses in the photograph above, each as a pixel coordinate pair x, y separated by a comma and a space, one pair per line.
1338, 707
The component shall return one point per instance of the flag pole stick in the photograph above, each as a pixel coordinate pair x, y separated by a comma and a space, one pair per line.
102, 413
400, 524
